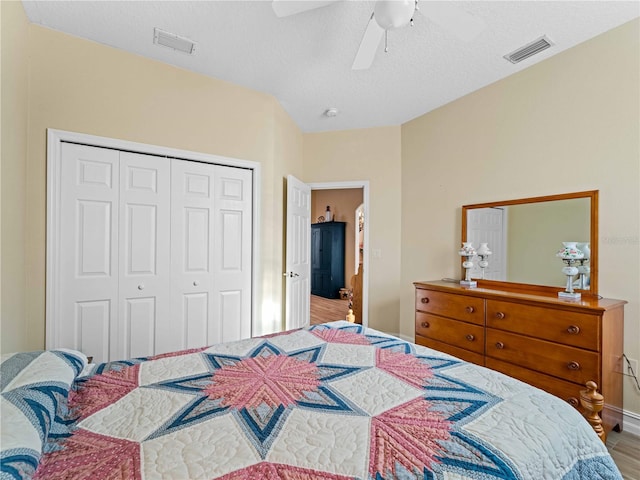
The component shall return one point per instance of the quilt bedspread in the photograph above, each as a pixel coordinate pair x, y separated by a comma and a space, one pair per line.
332, 401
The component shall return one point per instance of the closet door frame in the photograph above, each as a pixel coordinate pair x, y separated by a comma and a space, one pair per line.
55, 138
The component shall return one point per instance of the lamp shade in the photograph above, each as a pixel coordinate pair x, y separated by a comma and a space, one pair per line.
483, 250
570, 251
467, 250
584, 248
393, 13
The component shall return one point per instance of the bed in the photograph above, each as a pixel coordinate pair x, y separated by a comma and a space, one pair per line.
331, 401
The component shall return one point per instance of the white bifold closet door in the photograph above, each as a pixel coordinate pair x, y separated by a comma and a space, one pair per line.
210, 254
156, 253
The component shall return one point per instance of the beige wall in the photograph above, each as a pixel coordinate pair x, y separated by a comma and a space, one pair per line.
578, 108
373, 155
15, 331
81, 86
343, 204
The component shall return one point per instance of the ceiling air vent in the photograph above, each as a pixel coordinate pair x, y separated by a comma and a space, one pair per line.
528, 50
170, 40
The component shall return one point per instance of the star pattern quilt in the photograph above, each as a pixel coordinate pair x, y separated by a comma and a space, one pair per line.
332, 401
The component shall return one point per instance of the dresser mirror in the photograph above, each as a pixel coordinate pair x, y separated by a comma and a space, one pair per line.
524, 236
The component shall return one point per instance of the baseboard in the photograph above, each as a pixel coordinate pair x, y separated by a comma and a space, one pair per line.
631, 422
406, 338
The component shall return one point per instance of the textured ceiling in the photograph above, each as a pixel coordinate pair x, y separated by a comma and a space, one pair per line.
305, 60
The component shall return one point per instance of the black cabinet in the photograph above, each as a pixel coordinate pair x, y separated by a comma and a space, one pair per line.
327, 259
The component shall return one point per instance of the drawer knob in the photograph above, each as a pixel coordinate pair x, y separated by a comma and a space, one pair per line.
573, 401
573, 329
470, 337
573, 366
424, 300
425, 325
499, 345
499, 315
470, 309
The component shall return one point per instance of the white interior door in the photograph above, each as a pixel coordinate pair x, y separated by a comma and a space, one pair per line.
298, 254
87, 279
489, 225
144, 322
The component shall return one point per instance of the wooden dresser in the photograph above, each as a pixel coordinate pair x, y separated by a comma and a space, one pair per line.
556, 345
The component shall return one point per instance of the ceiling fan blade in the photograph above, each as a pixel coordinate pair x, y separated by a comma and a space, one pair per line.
460, 23
368, 46
286, 8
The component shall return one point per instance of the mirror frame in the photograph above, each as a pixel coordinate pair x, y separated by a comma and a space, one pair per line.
593, 263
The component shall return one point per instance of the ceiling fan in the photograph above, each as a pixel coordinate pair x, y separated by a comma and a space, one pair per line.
391, 14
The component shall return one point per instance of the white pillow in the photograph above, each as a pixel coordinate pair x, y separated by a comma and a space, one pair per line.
34, 388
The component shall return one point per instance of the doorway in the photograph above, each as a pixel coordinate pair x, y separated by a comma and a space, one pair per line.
348, 203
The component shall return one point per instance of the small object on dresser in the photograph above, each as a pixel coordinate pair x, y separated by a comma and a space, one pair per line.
570, 255
467, 252
328, 216
320, 219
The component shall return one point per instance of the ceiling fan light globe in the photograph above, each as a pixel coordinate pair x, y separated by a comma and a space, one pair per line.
393, 13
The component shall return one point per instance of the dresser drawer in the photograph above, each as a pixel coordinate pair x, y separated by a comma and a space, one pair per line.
567, 363
460, 353
460, 334
459, 307
569, 328
569, 392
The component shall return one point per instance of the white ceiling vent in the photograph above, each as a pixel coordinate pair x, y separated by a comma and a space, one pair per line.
170, 40
530, 49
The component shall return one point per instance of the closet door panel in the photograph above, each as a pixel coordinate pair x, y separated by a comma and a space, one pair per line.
230, 311
88, 233
196, 317
232, 254
196, 239
191, 255
140, 326
92, 322
145, 197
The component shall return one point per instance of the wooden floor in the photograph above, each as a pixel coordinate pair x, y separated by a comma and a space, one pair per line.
327, 310
625, 450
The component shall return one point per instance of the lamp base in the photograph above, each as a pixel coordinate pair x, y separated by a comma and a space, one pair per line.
572, 295
468, 283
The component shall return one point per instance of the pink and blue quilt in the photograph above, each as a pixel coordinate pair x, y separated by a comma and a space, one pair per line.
332, 401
